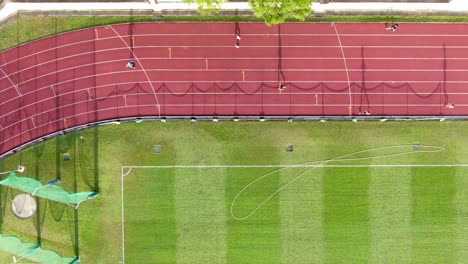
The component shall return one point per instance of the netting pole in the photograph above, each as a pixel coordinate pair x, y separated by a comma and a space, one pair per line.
193, 100
38, 202
2, 208
235, 99
95, 131
138, 98
96, 159
34, 118
117, 105
93, 100
76, 247
57, 115
214, 93
262, 109
38, 220
381, 86
407, 99
290, 100
2, 202
18, 77
444, 84
322, 98
163, 99
77, 244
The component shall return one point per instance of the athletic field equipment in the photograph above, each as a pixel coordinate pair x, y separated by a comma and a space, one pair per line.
23, 206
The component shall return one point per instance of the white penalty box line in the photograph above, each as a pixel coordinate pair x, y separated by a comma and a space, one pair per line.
126, 170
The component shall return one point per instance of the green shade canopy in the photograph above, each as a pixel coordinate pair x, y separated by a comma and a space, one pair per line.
52, 192
31, 251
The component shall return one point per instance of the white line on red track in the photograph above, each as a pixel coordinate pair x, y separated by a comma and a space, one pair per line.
143, 69
12, 83
346, 68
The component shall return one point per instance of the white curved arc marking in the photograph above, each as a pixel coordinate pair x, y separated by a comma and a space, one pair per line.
338, 158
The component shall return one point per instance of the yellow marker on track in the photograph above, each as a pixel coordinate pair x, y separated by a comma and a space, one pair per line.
95, 32
170, 53
206, 64
243, 75
133, 41
32, 120
316, 99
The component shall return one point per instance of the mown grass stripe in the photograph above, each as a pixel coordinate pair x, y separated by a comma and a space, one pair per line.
201, 221
434, 215
200, 201
255, 239
346, 215
461, 201
301, 212
150, 231
390, 215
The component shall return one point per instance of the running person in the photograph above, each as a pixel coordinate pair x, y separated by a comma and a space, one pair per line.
281, 87
394, 27
130, 64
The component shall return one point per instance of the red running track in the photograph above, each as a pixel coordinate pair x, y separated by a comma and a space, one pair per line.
193, 69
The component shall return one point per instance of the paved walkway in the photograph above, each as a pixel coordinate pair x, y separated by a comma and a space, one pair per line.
11, 8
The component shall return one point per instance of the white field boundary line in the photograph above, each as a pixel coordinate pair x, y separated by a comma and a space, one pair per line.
291, 166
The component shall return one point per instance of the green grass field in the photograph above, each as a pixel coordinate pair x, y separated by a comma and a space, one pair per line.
348, 211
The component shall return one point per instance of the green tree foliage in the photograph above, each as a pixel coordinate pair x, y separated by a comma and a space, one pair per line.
278, 11
207, 7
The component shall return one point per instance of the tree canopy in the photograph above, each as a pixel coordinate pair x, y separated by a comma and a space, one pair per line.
278, 11
207, 7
